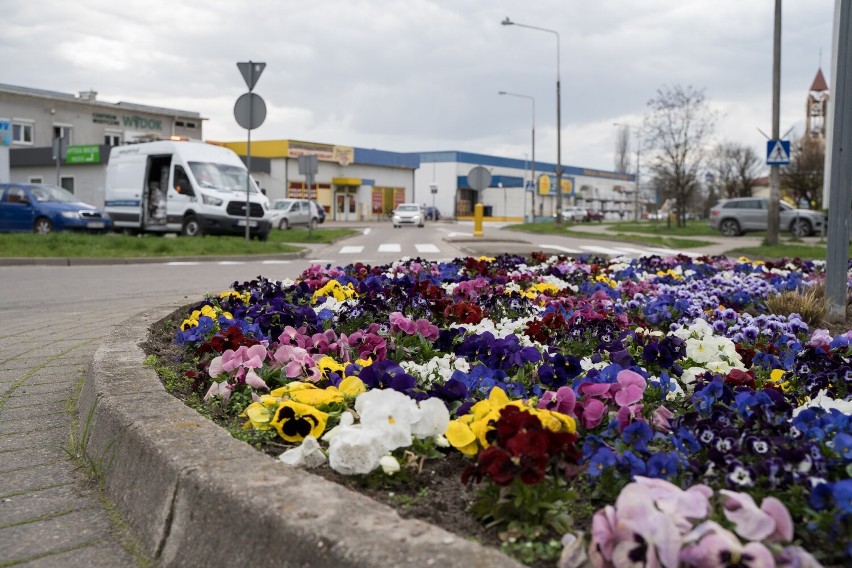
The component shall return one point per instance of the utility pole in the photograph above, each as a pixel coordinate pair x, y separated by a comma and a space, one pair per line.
840, 184
774, 220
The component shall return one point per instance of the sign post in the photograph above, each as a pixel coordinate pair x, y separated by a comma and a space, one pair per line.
478, 179
433, 188
308, 168
250, 112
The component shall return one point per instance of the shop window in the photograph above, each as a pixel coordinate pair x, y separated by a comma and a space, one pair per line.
22, 132
36, 180
112, 139
63, 131
67, 182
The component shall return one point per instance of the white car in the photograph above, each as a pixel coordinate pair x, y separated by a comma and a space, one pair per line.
408, 214
574, 214
286, 213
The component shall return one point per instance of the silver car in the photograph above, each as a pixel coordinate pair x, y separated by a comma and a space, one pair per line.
736, 216
286, 213
408, 214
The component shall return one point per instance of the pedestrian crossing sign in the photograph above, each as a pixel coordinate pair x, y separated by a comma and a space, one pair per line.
777, 152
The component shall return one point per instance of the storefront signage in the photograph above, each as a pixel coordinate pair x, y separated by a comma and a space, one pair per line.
5, 132
90, 154
105, 118
131, 121
343, 155
546, 186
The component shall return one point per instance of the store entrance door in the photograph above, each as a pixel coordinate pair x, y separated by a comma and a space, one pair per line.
345, 204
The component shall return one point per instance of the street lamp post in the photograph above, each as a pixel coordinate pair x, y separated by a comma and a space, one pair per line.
638, 130
508, 22
532, 170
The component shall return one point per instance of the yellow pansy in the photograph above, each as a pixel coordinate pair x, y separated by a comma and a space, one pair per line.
609, 282
294, 421
671, 273
260, 414
336, 289
461, 437
351, 386
328, 364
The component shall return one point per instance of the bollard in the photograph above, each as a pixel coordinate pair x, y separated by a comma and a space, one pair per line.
477, 220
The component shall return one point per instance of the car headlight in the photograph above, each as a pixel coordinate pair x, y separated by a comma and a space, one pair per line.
71, 214
208, 200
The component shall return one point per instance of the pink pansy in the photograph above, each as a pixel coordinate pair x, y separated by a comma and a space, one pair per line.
593, 411
563, 400
627, 414
772, 519
399, 322
427, 329
603, 536
249, 357
254, 381
683, 506
599, 390
819, 338
296, 361
630, 387
215, 368
715, 543
661, 418
637, 512
222, 389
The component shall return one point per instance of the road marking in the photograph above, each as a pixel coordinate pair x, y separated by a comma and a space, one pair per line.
276, 262
560, 249
602, 250
181, 263
351, 249
389, 248
229, 262
321, 261
427, 248
670, 252
367, 231
640, 252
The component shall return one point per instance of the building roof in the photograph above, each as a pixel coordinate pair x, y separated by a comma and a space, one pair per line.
89, 97
819, 83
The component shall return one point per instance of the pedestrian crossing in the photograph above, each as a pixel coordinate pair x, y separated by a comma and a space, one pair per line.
386, 251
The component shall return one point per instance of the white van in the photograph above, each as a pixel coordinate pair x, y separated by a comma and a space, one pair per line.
182, 187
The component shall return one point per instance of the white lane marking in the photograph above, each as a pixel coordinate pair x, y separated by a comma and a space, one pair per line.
670, 252
367, 230
181, 263
560, 248
229, 262
392, 247
276, 262
602, 250
320, 260
351, 249
640, 252
454, 234
427, 248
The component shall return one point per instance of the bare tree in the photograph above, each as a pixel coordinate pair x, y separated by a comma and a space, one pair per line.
735, 169
803, 177
622, 149
677, 125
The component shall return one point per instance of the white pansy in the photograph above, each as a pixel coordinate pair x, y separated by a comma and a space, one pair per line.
433, 419
442, 441
436, 370
827, 403
308, 454
389, 411
356, 450
346, 419
389, 465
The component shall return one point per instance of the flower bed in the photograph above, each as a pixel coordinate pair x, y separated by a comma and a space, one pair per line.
616, 413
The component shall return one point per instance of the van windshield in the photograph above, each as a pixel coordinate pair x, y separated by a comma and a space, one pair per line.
220, 176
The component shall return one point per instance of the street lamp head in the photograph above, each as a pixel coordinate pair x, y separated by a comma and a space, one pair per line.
507, 22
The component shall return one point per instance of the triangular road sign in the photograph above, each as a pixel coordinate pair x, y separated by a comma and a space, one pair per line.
251, 72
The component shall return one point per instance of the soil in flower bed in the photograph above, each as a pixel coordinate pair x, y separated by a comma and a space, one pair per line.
433, 494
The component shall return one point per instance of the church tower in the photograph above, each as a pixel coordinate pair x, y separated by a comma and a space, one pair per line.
817, 108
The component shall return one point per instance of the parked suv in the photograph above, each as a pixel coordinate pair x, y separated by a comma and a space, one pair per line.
736, 216
286, 213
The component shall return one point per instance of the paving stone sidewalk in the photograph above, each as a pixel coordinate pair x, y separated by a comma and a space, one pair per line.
51, 512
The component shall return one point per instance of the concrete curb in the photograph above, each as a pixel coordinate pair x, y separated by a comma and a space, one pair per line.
194, 496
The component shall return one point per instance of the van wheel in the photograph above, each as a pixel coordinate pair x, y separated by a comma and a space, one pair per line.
730, 228
191, 227
42, 226
284, 225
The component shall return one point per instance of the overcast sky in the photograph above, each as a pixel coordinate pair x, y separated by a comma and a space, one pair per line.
423, 75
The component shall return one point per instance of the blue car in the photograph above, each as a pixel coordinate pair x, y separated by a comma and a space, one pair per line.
45, 208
